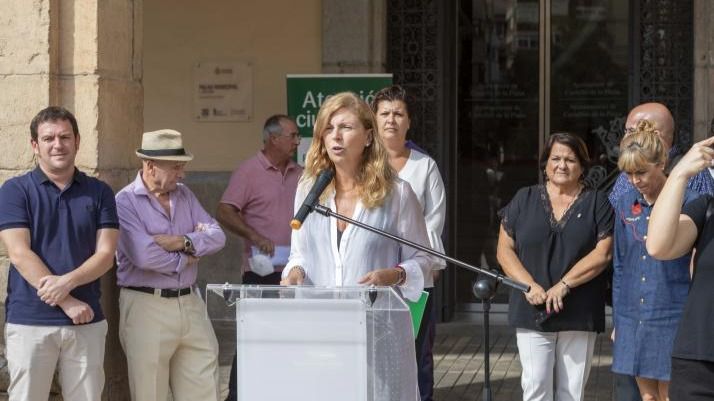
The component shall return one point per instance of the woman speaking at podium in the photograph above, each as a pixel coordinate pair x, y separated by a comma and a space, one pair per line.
329, 252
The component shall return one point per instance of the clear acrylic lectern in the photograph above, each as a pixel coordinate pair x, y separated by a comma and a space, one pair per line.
317, 343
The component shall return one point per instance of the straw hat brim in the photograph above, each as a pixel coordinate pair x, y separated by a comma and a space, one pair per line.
188, 156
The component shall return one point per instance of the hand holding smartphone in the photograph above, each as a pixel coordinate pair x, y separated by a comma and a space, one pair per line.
541, 315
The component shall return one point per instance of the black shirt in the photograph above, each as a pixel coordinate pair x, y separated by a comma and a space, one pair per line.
548, 249
695, 336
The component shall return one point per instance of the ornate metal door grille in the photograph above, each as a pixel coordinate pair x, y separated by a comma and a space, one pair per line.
421, 54
664, 60
413, 58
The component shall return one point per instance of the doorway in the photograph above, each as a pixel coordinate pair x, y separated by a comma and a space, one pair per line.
488, 87
527, 68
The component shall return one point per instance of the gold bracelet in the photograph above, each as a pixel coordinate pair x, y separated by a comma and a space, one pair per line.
567, 287
301, 270
402, 275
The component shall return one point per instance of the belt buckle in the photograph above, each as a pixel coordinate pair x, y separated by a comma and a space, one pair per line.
172, 293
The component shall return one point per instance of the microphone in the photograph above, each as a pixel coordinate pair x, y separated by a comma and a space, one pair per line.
372, 293
323, 179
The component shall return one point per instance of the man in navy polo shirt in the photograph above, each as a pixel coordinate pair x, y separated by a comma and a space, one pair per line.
60, 228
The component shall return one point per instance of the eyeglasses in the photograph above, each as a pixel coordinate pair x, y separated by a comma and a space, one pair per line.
293, 136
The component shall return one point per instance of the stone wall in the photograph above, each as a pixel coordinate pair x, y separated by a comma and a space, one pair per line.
703, 69
276, 37
84, 55
354, 36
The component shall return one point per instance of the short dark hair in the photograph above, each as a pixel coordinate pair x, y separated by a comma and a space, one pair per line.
574, 142
391, 94
272, 125
52, 113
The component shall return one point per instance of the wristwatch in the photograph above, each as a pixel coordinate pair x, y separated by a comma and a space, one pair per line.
188, 245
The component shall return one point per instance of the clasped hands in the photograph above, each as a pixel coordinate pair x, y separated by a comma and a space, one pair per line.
553, 298
54, 291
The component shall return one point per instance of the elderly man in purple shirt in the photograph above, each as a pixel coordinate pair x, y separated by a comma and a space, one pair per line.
164, 232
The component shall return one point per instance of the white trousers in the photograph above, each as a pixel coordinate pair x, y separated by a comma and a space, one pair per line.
555, 365
33, 353
169, 343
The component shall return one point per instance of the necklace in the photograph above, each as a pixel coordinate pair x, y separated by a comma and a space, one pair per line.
346, 191
567, 207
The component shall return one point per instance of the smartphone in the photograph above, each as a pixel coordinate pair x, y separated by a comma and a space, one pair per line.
542, 316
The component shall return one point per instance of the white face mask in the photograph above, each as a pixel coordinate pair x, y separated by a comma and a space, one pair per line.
260, 263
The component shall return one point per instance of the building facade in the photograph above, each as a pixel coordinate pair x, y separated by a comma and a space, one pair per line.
490, 78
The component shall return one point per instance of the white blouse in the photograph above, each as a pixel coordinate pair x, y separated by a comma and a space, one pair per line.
314, 247
422, 173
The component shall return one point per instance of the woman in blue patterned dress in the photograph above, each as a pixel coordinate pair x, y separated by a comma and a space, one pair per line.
648, 294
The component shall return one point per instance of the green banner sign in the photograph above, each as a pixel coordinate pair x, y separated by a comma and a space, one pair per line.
306, 93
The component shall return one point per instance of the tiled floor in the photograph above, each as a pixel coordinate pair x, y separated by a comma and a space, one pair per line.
459, 364
458, 360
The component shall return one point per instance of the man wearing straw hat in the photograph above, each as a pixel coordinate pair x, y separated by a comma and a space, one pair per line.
164, 232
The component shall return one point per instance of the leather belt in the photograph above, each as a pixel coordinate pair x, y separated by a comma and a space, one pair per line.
162, 292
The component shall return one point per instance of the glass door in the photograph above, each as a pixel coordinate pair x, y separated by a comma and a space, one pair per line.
588, 74
515, 87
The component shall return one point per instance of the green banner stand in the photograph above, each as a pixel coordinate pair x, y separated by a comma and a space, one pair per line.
307, 92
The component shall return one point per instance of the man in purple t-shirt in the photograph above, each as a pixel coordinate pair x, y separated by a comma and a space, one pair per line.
258, 206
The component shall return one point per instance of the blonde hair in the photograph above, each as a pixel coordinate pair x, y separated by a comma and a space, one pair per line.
375, 177
641, 148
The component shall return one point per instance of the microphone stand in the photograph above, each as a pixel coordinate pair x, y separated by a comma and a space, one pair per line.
484, 289
494, 275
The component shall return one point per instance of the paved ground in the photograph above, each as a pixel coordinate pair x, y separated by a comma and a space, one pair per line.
459, 367
458, 360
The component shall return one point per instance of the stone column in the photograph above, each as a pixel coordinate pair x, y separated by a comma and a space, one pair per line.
84, 55
354, 36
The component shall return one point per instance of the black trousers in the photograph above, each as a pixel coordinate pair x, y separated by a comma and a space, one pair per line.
691, 380
424, 344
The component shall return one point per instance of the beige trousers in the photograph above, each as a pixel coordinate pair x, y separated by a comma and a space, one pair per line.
33, 353
169, 343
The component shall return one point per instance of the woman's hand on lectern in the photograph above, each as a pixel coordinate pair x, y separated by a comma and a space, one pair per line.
384, 277
295, 277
